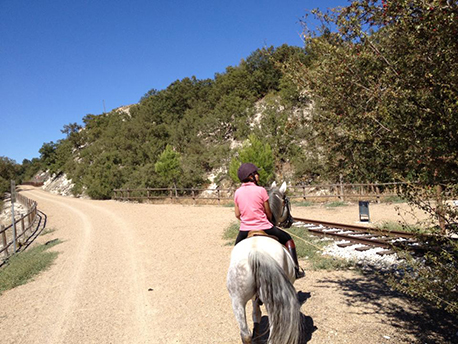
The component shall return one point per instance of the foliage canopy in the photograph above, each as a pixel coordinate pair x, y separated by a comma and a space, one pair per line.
383, 77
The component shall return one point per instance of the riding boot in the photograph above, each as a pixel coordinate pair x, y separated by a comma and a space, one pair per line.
292, 251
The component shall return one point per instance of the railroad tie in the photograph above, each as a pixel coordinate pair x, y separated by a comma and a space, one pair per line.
363, 248
346, 244
385, 252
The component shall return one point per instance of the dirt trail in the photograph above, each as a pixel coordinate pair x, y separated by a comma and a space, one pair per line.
139, 273
123, 267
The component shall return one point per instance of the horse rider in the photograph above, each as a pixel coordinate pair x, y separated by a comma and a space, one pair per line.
253, 210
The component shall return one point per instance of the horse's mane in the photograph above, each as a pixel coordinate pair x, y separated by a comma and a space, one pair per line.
275, 197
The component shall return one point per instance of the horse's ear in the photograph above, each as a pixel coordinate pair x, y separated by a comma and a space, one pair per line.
283, 188
273, 184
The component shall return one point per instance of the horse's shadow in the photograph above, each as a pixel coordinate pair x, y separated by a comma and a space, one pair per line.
307, 327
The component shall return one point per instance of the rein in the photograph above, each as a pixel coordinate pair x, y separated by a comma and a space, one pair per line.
287, 207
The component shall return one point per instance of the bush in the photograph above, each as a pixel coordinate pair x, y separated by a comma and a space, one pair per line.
258, 153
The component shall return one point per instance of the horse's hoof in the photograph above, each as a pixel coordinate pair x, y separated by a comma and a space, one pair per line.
300, 273
246, 340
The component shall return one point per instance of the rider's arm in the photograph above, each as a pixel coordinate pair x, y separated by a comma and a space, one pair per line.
267, 210
237, 211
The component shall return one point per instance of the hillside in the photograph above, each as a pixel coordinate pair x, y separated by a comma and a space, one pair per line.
201, 121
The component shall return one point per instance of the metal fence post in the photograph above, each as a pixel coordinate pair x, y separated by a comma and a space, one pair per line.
13, 199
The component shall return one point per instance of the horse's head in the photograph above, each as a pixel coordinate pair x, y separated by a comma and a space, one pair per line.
280, 206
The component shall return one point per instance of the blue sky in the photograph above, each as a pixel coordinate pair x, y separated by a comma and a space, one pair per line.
61, 60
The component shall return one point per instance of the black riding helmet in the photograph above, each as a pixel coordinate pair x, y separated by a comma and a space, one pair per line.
245, 171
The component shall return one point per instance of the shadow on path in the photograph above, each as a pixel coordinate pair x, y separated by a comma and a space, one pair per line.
426, 323
307, 326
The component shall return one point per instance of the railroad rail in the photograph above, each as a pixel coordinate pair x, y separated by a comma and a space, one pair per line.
370, 237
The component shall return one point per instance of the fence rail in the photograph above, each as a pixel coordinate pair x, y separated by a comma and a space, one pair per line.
23, 228
172, 194
304, 192
36, 184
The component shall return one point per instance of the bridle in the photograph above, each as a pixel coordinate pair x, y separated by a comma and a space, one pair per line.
286, 208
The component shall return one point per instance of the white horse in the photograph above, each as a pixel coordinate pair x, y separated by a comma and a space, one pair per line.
262, 270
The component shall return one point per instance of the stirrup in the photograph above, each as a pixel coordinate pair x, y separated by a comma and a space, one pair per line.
300, 273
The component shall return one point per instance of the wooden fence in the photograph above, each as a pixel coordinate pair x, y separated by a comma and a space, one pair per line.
371, 191
33, 183
23, 228
344, 192
173, 194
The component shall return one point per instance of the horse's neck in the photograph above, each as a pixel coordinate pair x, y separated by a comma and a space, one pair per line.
274, 203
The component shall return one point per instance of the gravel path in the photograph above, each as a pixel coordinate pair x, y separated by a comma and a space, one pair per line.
142, 273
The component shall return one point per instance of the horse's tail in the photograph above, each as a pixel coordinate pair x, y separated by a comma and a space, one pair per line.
279, 296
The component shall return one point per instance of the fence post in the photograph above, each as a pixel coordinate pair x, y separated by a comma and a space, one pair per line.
341, 188
219, 198
23, 227
2, 229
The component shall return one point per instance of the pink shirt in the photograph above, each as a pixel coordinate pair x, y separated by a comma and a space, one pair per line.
250, 199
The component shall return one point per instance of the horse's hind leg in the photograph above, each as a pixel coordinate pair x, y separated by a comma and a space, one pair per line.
256, 316
240, 314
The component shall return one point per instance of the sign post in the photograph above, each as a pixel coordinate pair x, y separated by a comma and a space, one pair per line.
13, 200
364, 211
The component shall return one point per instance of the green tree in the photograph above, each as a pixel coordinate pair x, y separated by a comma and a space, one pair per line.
381, 86
30, 168
55, 155
9, 170
383, 77
103, 176
258, 153
279, 127
168, 166
48, 155
72, 131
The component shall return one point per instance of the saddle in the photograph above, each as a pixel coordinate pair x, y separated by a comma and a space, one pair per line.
261, 233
